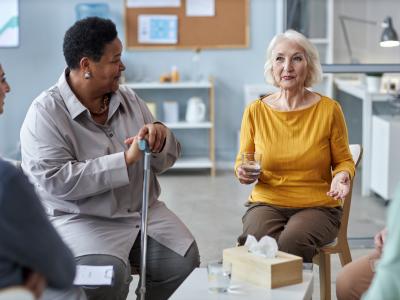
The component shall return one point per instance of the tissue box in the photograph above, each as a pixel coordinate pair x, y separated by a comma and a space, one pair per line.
285, 269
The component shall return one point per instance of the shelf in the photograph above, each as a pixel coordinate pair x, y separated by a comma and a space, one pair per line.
193, 163
175, 85
203, 161
359, 90
187, 125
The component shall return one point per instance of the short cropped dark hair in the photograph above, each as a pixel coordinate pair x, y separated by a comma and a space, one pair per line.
87, 38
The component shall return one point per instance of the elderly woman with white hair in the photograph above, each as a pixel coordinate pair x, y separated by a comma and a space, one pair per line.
306, 165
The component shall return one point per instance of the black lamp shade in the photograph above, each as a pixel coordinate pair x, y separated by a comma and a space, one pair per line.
389, 37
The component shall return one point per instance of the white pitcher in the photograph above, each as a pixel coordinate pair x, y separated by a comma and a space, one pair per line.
196, 110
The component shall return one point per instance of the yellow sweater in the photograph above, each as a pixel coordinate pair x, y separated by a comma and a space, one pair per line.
301, 151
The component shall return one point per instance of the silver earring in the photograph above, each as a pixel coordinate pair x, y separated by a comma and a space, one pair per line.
87, 75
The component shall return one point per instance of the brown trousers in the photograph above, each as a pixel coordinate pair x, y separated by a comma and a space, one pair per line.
356, 277
299, 231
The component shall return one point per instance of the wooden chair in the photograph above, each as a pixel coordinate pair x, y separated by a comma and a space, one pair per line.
340, 245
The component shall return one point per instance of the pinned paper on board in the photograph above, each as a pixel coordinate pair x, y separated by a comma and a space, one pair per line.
158, 29
203, 8
153, 3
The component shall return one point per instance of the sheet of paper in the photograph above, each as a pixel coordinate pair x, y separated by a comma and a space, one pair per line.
200, 8
93, 275
153, 3
158, 29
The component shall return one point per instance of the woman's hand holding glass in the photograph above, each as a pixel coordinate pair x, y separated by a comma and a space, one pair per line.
250, 169
340, 186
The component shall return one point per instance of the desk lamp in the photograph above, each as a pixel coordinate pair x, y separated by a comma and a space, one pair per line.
389, 37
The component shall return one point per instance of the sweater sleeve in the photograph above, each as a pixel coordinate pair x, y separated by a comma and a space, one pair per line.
340, 152
246, 136
386, 283
28, 238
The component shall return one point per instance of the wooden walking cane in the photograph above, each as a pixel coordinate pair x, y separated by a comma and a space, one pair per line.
143, 145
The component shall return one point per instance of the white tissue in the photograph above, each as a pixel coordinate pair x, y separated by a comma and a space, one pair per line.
266, 247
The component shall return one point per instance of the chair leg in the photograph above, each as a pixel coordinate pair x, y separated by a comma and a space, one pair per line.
325, 275
345, 255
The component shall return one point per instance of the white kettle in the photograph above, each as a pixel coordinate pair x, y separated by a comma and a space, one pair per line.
196, 110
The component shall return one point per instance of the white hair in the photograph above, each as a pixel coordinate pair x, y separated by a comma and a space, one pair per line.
314, 74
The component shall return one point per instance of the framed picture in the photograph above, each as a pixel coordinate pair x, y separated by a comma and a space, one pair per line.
9, 23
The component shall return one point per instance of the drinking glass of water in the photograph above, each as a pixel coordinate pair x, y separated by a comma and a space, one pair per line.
251, 163
219, 276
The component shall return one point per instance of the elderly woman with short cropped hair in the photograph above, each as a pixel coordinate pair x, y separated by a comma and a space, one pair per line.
306, 164
79, 147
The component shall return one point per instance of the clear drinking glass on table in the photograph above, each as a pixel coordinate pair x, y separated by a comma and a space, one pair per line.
219, 276
251, 163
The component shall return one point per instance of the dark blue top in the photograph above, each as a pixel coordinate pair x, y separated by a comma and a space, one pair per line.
28, 241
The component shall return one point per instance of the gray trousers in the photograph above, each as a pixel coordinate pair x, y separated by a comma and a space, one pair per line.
166, 270
299, 231
75, 293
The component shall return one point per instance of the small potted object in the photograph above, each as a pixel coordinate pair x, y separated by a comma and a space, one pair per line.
373, 82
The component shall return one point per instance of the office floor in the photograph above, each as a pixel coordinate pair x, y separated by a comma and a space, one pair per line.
212, 208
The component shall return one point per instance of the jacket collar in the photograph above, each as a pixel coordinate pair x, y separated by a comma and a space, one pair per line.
74, 106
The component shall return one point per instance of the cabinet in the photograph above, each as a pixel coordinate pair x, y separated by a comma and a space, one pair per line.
197, 139
358, 90
385, 163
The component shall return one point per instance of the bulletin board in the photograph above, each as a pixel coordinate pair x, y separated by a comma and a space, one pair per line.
228, 28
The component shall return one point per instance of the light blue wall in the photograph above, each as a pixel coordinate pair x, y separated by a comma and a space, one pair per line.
38, 62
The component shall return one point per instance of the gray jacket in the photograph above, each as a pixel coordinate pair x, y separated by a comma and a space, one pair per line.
28, 241
78, 167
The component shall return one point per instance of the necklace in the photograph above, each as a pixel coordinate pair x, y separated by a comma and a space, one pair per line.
103, 106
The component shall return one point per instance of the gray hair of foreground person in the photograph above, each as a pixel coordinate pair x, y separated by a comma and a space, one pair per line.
314, 75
